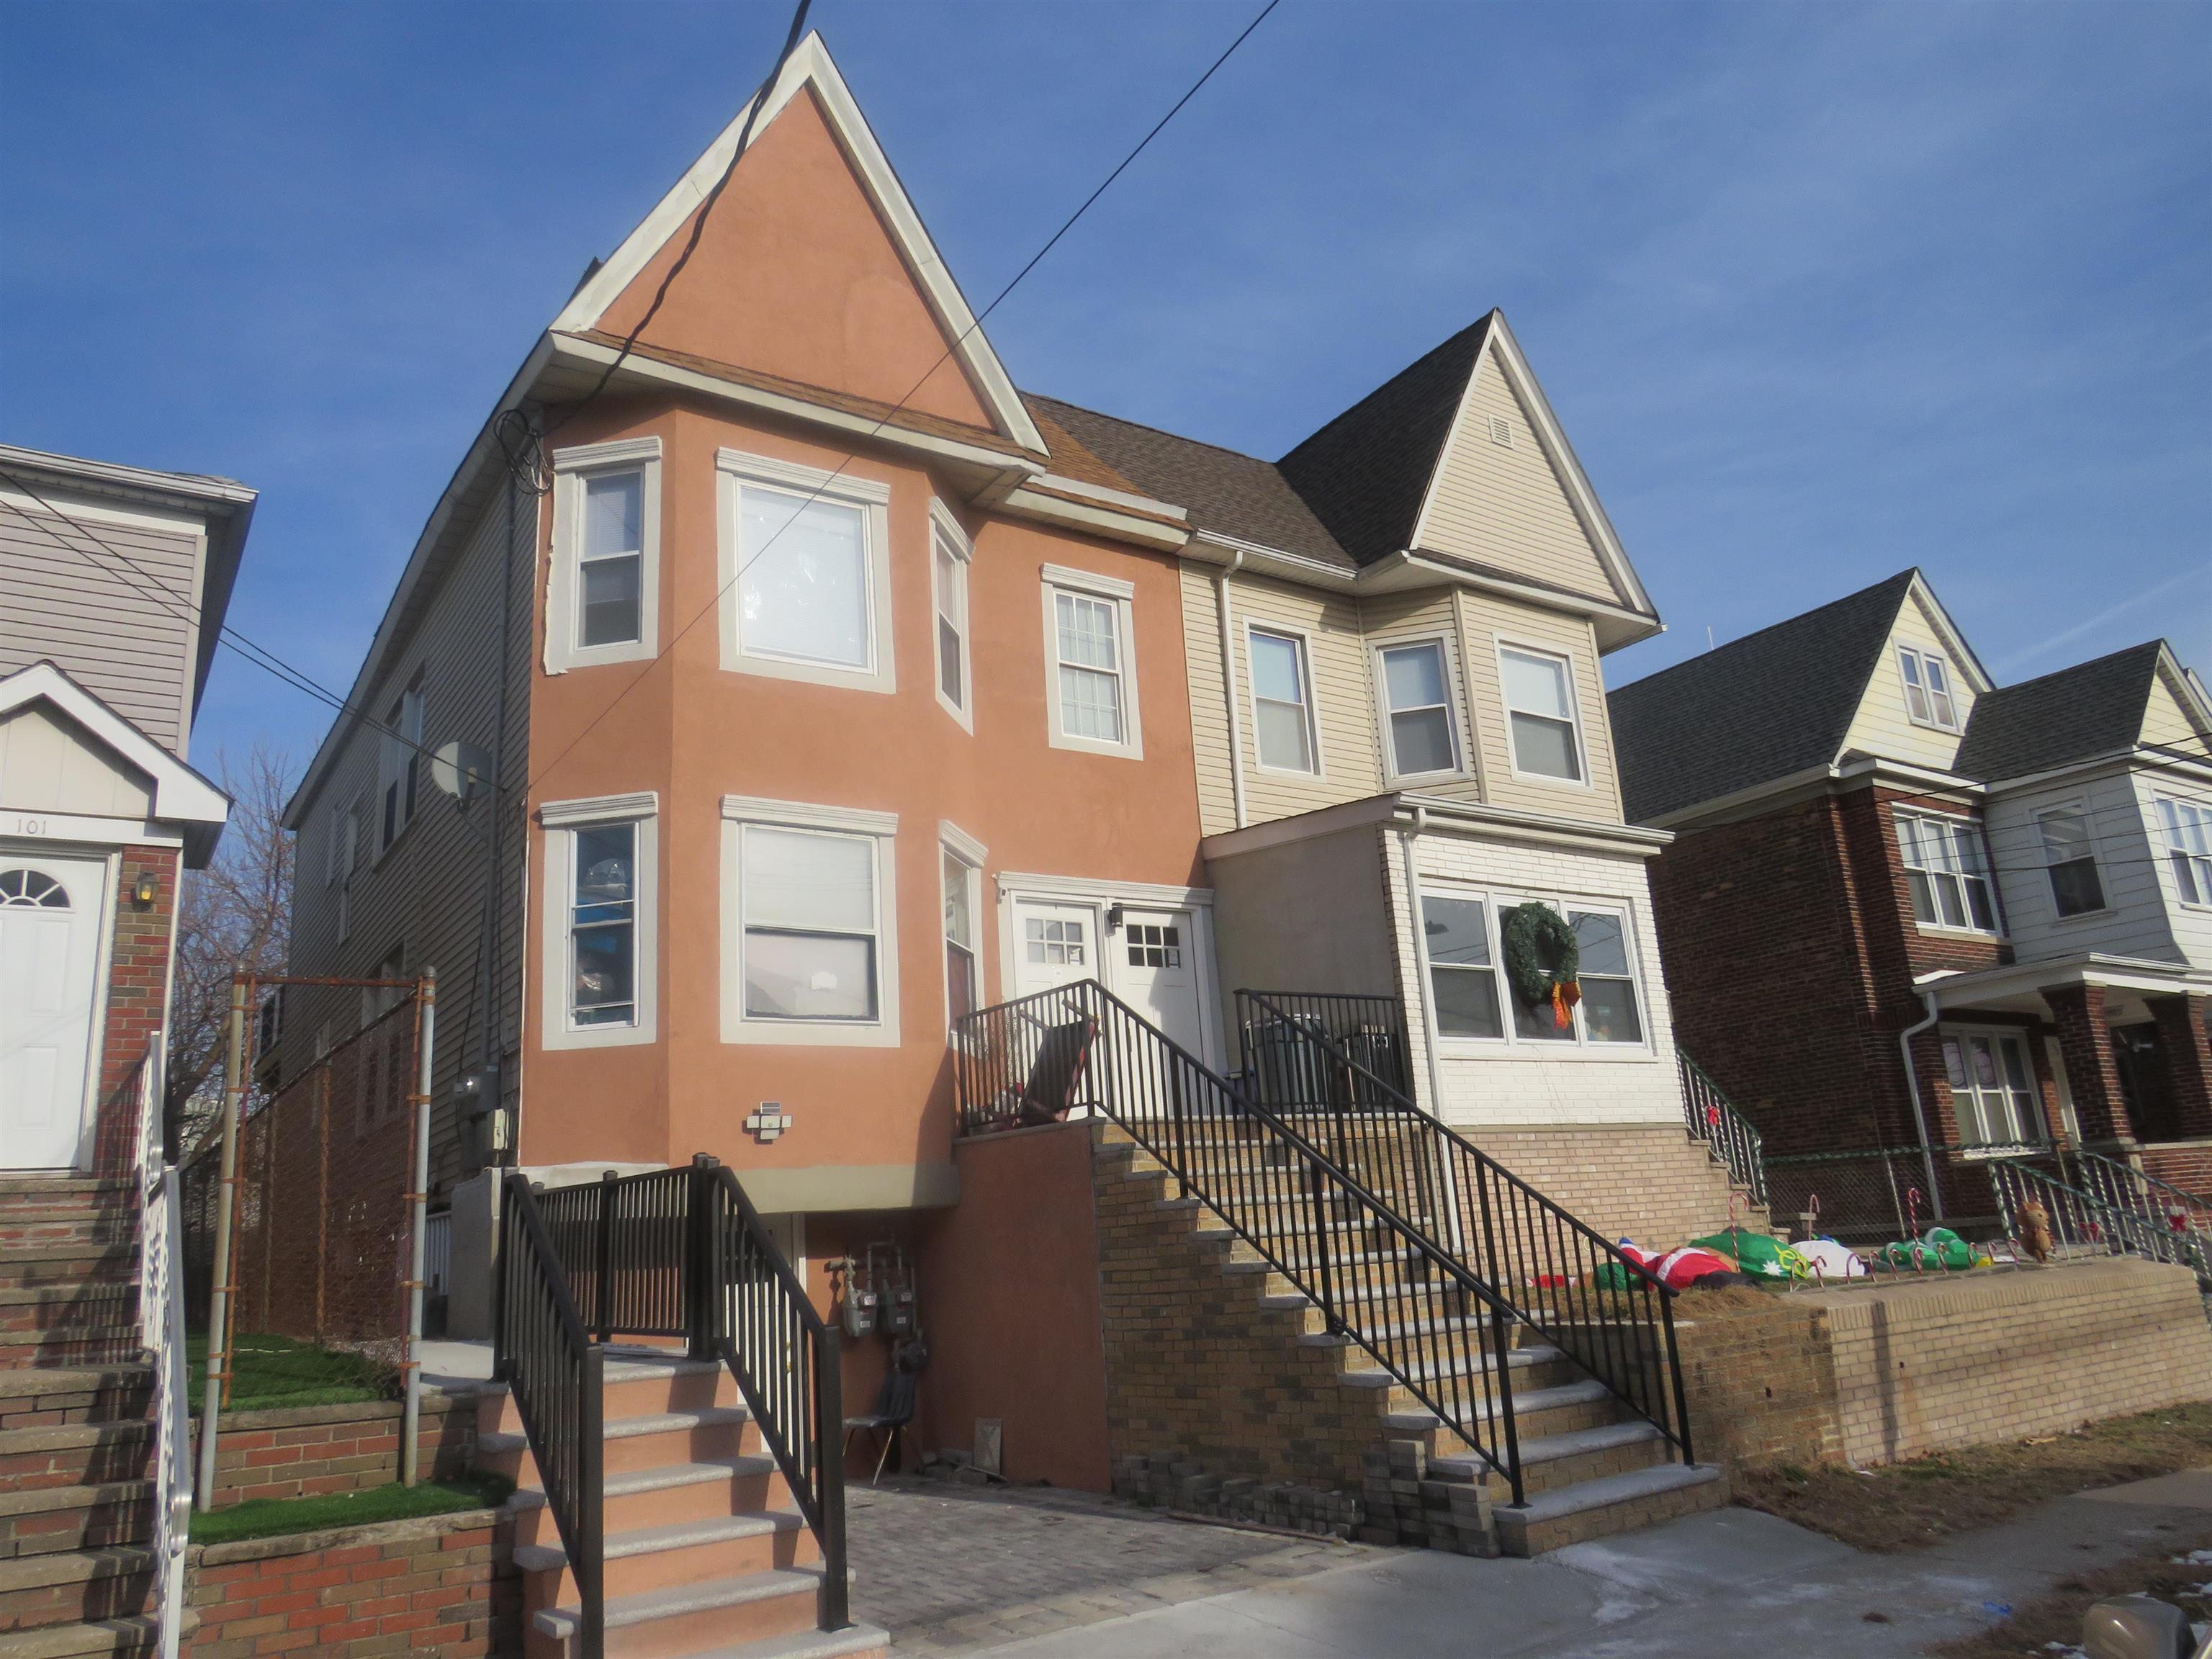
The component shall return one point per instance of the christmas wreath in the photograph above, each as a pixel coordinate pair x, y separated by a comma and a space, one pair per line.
1535, 934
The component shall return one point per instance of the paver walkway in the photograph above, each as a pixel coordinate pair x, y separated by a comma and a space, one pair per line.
951, 1570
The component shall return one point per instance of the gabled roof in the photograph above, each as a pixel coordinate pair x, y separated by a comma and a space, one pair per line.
1761, 707
2093, 708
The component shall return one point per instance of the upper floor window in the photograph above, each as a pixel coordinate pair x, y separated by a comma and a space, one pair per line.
805, 574
2188, 828
1948, 874
601, 857
949, 557
1282, 704
1089, 656
1928, 689
603, 597
1540, 709
809, 942
404, 763
2071, 859
1417, 704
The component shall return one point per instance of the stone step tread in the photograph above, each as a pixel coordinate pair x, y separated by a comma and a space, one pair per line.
1586, 1495
74, 1436
1551, 1448
627, 1428
560, 1623
73, 1250
660, 1480
136, 1633
65, 1379
653, 1540
631, 1365
1374, 1377
62, 1181
1524, 1405
42, 1500
103, 1290
808, 1644
74, 1567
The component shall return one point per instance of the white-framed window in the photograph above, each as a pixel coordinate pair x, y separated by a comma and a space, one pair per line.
1539, 715
346, 823
2187, 828
2069, 858
337, 856
1090, 654
1928, 696
1944, 868
960, 861
809, 940
951, 555
603, 594
1423, 737
1282, 727
1463, 936
806, 570
601, 921
403, 765
1992, 1087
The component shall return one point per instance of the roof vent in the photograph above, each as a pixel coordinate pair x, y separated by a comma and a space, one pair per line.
1500, 431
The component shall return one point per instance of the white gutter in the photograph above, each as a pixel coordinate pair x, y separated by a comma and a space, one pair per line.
1912, 1087
1228, 682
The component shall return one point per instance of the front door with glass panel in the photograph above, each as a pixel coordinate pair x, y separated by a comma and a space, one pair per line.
1155, 971
50, 917
1055, 945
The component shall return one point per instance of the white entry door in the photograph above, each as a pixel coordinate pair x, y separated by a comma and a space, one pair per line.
50, 924
1055, 945
1155, 971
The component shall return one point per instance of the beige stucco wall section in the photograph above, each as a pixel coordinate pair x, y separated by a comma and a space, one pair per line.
1882, 726
49, 763
1505, 505
1484, 623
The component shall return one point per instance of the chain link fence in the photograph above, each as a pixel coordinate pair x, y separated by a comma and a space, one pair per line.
1873, 1195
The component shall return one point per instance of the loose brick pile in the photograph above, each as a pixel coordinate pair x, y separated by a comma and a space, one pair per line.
1177, 1483
307, 1451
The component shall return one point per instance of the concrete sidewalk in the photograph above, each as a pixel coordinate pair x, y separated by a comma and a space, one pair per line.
1733, 1584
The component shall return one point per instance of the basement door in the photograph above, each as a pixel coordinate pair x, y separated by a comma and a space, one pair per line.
50, 911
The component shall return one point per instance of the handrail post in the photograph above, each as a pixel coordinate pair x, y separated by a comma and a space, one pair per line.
603, 1259
503, 1259
830, 1470
1512, 1431
700, 1267
1332, 1321
1674, 1372
591, 1581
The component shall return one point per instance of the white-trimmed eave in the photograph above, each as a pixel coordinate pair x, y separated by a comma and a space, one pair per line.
1441, 815
810, 65
1953, 989
1826, 778
181, 795
1955, 639
1617, 625
2118, 760
1100, 520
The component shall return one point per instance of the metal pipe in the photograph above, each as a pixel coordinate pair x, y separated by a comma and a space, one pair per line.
1228, 682
219, 1345
1919, 1113
418, 1199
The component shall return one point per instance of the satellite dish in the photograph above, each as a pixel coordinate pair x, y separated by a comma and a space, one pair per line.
461, 770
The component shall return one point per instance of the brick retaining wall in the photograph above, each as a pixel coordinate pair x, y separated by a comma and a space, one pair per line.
305, 1451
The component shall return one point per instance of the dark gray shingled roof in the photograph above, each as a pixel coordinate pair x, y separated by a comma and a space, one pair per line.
2092, 709
1755, 709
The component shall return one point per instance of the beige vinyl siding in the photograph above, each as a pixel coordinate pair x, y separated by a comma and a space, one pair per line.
1400, 619
122, 631
1505, 505
1339, 688
1209, 711
49, 763
2167, 722
1487, 622
1883, 725
427, 893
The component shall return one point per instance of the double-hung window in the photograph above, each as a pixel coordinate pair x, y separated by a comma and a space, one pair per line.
603, 599
344, 849
1993, 1088
1539, 712
1417, 707
1463, 937
805, 558
601, 858
404, 763
1948, 877
1608, 1012
1462, 969
951, 555
1091, 690
809, 943
2070, 857
2187, 826
1928, 697
1282, 701
960, 858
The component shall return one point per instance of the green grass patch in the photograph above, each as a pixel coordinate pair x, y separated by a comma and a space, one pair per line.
272, 1372
274, 1518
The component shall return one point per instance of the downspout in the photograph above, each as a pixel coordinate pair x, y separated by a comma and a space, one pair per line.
1407, 838
1228, 682
1919, 1112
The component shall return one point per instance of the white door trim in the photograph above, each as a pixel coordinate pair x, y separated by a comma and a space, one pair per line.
1099, 897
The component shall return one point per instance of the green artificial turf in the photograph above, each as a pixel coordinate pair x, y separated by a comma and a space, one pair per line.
270, 1371
273, 1517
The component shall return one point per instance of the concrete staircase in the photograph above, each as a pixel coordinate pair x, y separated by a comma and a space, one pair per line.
706, 1553
1591, 1468
76, 1446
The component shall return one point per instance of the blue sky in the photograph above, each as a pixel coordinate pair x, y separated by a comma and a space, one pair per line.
1818, 291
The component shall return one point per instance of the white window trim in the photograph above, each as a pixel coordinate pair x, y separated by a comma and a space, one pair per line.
1988, 875
2037, 1126
1951, 684
1122, 595
1510, 1044
1303, 640
560, 819
2168, 851
2079, 807
969, 853
881, 828
943, 525
1463, 745
391, 766
572, 469
733, 470
1502, 644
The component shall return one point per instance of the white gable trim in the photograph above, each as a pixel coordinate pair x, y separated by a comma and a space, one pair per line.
809, 65
1955, 641
180, 794
1582, 498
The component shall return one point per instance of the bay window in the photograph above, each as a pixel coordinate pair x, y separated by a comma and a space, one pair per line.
1463, 939
1539, 715
2187, 828
949, 557
1948, 877
809, 941
2070, 860
805, 558
601, 857
603, 597
1417, 709
1993, 1088
960, 858
1463, 978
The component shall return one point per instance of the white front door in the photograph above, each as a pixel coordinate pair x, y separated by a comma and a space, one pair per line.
50, 925
1155, 971
1055, 945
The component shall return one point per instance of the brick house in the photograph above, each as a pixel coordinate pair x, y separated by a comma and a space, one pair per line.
1907, 909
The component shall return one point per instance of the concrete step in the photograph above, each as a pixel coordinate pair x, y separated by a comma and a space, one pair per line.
637, 1384
68, 1261
854, 1642
49, 1396
1536, 1413
634, 1442
1364, 1373
51, 1520
1604, 1508
706, 1491
75, 1588
138, 1636
690, 1618
1551, 1461
78, 1305
70, 1347
687, 1552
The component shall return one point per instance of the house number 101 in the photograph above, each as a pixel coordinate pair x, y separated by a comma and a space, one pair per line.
29, 826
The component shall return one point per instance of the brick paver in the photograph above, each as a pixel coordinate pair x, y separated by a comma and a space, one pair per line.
952, 1569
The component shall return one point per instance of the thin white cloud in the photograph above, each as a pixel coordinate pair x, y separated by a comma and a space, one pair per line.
2066, 636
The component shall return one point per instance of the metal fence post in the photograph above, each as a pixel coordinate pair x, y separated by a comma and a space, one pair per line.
700, 1266
603, 1258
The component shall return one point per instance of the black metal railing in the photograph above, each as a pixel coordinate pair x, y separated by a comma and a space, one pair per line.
555, 1374
668, 1253
1370, 1028
1722, 1128
1307, 1190
2075, 1223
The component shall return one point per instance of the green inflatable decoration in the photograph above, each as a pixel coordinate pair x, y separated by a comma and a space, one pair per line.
1752, 1253
1938, 1251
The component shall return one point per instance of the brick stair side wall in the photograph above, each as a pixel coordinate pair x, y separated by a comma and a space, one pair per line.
308, 1451
1650, 1182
